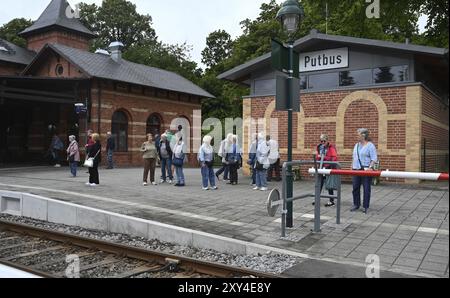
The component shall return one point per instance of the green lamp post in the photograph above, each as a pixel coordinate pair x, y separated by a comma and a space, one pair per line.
290, 16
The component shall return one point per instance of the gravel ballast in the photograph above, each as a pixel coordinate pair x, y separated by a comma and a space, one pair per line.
270, 262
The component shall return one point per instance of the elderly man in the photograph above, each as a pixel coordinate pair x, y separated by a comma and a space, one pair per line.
165, 155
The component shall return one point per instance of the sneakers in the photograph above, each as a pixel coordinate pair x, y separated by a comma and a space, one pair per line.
162, 181
214, 188
144, 184
57, 166
170, 181
330, 204
93, 185
88, 184
154, 183
256, 188
205, 188
263, 189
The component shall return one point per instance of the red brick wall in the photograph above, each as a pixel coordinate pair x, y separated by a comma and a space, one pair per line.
435, 157
314, 130
434, 108
396, 136
48, 68
361, 113
138, 105
38, 41
9, 69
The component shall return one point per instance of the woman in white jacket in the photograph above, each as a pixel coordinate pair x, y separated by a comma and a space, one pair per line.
262, 163
206, 159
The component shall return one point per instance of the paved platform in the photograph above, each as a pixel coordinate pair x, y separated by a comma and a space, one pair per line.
407, 226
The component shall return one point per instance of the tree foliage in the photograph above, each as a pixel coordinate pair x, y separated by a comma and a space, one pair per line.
117, 20
10, 31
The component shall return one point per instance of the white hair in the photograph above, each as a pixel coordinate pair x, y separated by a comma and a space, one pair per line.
207, 139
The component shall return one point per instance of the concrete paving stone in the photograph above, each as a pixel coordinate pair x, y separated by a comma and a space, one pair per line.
435, 246
439, 253
415, 249
436, 259
422, 244
440, 267
413, 263
411, 255
389, 252
338, 252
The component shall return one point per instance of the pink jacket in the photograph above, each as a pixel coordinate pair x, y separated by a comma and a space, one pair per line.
73, 151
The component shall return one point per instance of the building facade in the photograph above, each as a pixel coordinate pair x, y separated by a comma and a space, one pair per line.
40, 85
398, 91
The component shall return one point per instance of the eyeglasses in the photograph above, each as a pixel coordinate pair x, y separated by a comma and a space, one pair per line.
323, 142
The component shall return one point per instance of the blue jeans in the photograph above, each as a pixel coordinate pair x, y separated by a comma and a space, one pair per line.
110, 159
166, 163
366, 183
73, 168
261, 178
208, 174
253, 175
180, 175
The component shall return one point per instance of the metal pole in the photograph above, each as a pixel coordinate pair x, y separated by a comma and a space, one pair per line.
338, 205
317, 199
283, 212
290, 187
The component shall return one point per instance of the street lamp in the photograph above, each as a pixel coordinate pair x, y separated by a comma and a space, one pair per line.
290, 15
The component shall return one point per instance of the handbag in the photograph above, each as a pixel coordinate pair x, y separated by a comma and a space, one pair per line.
178, 162
331, 182
360, 163
72, 158
259, 166
89, 163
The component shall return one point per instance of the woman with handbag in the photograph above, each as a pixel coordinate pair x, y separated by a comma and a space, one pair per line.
262, 163
178, 160
206, 159
94, 158
150, 154
364, 159
327, 152
73, 155
233, 160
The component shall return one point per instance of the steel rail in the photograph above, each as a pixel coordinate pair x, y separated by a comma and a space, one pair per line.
186, 263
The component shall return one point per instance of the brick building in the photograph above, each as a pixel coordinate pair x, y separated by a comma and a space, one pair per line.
40, 85
398, 91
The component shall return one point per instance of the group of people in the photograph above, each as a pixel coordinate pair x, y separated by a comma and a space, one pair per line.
364, 158
264, 160
170, 150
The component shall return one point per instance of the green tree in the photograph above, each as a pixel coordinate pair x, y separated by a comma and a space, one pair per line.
10, 31
218, 48
117, 20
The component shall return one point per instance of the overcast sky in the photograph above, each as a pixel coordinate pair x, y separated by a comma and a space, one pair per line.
175, 21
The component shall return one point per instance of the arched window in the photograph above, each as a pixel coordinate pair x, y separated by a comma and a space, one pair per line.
154, 124
119, 131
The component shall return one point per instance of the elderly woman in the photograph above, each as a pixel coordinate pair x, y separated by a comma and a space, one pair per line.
326, 152
206, 159
95, 152
262, 163
364, 159
179, 157
165, 155
73, 155
233, 159
149, 155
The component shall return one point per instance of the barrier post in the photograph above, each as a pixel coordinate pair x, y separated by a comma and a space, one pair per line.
317, 198
283, 195
338, 203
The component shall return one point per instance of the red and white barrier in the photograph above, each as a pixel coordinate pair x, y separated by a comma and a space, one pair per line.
384, 174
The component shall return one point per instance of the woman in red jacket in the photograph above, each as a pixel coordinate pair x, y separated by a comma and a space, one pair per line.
326, 152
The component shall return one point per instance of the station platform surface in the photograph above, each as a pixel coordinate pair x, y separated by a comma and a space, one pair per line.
407, 226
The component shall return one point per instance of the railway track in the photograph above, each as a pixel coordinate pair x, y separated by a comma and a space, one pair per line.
53, 254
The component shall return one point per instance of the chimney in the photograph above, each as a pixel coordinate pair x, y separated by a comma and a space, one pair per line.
116, 50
